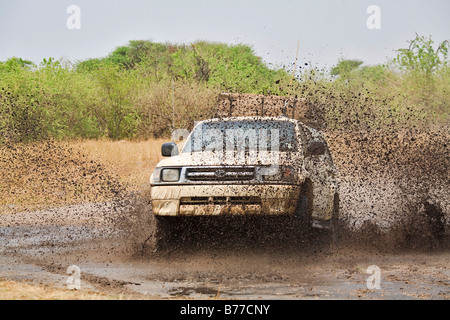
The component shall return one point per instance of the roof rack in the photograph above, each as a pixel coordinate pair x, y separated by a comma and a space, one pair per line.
245, 104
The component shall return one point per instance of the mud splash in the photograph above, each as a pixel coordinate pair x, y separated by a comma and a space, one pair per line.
394, 199
394, 193
48, 174
395, 186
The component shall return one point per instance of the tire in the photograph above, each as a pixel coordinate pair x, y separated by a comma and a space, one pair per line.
165, 229
335, 220
328, 238
319, 239
302, 221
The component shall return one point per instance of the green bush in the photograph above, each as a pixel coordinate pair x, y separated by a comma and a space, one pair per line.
409, 91
146, 89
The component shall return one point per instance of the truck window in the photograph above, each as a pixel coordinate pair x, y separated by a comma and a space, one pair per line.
260, 135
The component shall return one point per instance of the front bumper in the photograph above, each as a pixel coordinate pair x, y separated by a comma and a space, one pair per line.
198, 200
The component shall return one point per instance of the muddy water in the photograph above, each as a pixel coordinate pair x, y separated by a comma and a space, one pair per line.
394, 215
232, 266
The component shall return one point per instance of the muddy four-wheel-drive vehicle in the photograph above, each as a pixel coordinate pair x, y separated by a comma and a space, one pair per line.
251, 165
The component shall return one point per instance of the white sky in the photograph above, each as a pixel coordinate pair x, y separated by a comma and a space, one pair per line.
327, 29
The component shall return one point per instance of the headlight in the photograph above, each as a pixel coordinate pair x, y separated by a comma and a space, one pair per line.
155, 177
170, 175
283, 174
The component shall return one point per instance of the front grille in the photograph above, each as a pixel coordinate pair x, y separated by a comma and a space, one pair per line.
220, 201
221, 174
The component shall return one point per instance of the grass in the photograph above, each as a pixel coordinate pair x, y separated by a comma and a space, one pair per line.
50, 174
44, 175
13, 290
131, 161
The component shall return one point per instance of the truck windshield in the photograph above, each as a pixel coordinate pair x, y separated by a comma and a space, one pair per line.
255, 135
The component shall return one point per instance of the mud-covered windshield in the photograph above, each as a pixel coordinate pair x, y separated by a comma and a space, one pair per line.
255, 135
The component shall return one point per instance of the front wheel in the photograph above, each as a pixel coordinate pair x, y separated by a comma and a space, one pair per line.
302, 220
329, 237
165, 229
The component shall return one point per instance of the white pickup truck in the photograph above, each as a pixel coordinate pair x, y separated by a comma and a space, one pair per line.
249, 165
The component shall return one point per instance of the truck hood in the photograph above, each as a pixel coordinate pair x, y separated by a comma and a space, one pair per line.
221, 159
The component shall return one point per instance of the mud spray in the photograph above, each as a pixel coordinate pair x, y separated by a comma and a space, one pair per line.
395, 187
394, 196
394, 193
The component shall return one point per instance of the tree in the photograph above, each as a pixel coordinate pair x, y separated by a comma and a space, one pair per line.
421, 57
13, 64
117, 89
345, 66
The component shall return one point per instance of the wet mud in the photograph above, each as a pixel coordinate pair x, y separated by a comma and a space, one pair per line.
394, 214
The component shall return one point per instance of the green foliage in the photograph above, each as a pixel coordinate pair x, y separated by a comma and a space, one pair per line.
233, 68
116, 93
15, 64
425, 76
409, 91
128, 94
145, 89
91, 65
344, 67
421, 57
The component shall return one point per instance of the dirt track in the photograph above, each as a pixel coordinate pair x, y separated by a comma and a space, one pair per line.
227, 266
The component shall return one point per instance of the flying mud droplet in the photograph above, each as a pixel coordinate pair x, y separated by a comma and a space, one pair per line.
394, 193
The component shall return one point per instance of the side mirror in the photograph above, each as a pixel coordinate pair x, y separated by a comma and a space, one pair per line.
169, 149
316, 148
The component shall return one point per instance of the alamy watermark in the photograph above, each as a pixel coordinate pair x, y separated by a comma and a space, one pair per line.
374, 281
238, 145
74, 280
73, 22
374, 20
